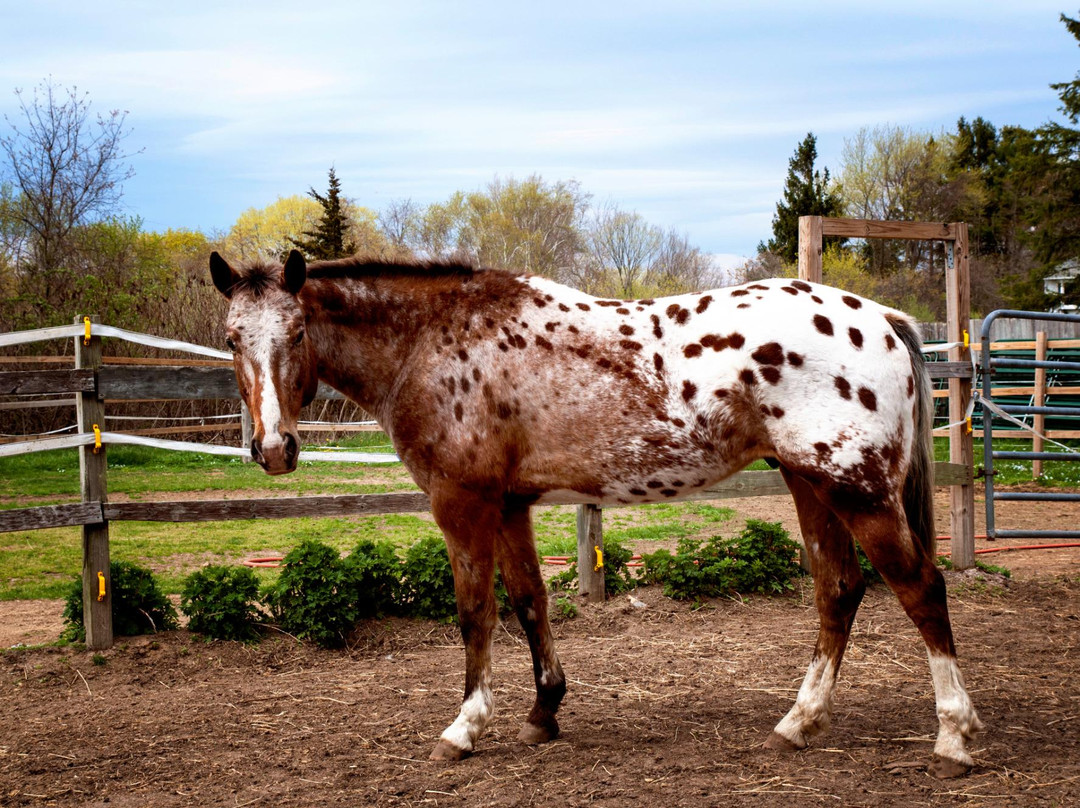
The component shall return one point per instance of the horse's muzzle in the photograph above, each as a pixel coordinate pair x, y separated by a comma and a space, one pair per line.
279, 458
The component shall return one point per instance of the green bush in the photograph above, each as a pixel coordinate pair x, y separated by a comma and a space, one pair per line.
428, 588
314, 597
375, 575
762, 558
138, 605
221, 602
617, 576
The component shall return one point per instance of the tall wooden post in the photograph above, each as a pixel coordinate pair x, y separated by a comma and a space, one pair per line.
246, 428
810, 248
961, 444
1040, 401
590, 548
97, 580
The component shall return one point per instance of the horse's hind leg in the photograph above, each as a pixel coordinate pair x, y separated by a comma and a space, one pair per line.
838, 590
470, 524
521, 573
911, 573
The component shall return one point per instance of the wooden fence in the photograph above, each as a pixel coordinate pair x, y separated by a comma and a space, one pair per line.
93, 383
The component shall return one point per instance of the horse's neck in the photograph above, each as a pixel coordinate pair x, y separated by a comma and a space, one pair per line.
359, 352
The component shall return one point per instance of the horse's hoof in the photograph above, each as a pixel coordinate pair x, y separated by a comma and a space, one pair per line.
946, 769
534, 734
778, 743
446, 751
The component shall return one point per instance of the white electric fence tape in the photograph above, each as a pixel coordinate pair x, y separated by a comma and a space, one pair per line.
87, 438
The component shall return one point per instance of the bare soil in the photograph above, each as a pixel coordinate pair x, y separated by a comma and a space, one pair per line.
667, 704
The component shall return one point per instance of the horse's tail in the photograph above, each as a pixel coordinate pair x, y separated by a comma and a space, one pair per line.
919, 485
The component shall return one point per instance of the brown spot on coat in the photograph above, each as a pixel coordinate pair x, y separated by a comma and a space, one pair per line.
803, 286
622, 310
583, 306
853, 302
844, 386
721, 393
630, 345
677, 313
658, 360
910, 386
748, 377
890, 343
770, 374
771, 353
563, 307
868, 399
703, 304
540, 302
692, 350
789, 290
816, 299
689, 389
543, 343
823, 324
777, 412
739, 293
551, 326
794, 359
654, 484
626, 330
855, 335
459, 411
657, 331
638, 492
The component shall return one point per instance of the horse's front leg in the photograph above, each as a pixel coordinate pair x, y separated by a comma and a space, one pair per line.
520, 567
470, 527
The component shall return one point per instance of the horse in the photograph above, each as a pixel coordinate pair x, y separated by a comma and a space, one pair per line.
503, 390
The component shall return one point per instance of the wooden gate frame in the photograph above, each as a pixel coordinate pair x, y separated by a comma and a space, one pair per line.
958, 318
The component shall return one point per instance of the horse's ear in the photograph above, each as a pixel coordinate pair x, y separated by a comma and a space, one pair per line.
223, 274
295, 272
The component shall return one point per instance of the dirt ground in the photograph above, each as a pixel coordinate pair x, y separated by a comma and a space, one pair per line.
666, 704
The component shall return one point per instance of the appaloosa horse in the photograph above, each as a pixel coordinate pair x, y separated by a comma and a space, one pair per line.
502, 391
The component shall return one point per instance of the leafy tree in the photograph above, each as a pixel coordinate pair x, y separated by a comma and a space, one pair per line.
270, 231
1069, 91
806, 193
329, 238
67, 170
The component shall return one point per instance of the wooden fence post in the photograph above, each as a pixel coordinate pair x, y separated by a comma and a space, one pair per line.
1040, 401
96, 577
590, 543
810, 248
246, 427
961, 443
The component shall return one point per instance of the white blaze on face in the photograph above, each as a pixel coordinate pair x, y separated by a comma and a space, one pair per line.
261, 330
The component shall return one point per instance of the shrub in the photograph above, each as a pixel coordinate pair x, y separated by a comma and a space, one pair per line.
221, 602
138, 605
428, 588
314, 596
762, 558
375, 576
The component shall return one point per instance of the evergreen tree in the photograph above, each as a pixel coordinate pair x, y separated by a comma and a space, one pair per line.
330, 238
806, 193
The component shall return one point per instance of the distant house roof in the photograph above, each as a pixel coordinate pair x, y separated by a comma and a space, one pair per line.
1065, 271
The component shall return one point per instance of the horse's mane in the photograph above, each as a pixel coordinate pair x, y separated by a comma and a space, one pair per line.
257, 277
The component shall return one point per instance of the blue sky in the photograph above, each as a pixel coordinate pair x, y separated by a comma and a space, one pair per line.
684, 111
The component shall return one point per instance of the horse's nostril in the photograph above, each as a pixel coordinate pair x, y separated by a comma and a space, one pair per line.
256, 451
291, 449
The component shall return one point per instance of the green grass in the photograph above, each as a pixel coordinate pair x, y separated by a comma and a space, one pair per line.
1056, 473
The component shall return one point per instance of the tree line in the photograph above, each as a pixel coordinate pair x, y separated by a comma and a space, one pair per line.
1017, 188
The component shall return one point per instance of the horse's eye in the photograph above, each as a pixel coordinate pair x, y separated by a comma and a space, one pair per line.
230, 344
298, 338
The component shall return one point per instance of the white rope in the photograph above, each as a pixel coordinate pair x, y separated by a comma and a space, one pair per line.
939, 347
99, 330
1000, 413
87, 438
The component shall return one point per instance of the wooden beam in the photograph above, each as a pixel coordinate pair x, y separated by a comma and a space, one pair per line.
96, 575
46, 516
167, 383
46, 382
864, 228
949, 370
268, 508
1040, 401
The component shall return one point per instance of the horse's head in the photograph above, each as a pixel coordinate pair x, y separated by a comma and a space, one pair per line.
275, 363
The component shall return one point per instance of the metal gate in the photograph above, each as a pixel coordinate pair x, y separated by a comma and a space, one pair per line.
1014, 414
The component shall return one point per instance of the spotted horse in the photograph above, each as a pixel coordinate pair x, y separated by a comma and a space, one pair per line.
501, 391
